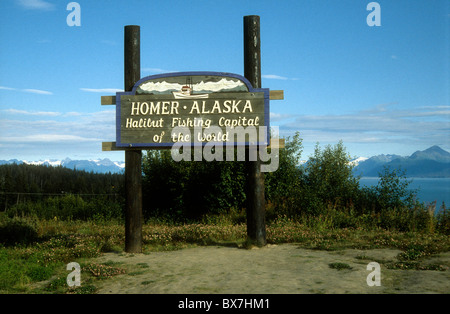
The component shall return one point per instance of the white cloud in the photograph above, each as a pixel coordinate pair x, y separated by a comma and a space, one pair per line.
38, 134
101, 90
32, 113
380, 125
27, 127
27, 90
7, 88
37, 91
274, 117
73, 114
278, 77
434, 107
274, 77
48, 138
157, 70
36, 5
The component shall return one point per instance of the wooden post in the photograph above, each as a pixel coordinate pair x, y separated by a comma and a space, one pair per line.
133, 158
256, 222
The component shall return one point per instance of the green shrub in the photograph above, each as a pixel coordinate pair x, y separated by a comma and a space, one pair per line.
339, 266
180, 190
18, 231
330, 178
68, 207
443, 220
39, 272
392, 190
283, 188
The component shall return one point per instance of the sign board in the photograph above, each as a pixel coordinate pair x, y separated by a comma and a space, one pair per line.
194, 108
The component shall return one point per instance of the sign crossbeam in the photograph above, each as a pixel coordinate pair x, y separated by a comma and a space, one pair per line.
111, 146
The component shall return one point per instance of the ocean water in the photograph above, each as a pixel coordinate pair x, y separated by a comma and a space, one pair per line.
428, 189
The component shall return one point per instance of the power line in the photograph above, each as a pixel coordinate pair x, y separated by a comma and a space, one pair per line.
56, 194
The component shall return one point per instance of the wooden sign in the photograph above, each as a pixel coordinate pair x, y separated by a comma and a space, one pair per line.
194, 108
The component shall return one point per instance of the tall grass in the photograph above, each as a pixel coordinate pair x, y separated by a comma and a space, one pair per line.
52, 243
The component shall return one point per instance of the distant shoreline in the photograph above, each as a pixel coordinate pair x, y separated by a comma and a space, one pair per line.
428, 189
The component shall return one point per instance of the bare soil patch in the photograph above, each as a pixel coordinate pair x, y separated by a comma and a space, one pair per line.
282, 269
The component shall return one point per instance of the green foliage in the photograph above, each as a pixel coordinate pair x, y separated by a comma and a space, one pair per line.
392, 190
17, 231
326, 182
329, 179
11, 271
103, 271
39, 272
184, 189
413, 252
339, 266
68, 207
33, 190
49, 254
323, 194
443, 220
284, 186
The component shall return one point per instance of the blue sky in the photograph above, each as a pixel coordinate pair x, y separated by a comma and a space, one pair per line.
381, 89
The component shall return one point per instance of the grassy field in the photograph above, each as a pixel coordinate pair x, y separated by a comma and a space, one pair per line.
34, 257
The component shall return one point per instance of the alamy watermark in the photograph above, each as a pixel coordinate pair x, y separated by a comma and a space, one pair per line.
74, 17
74, 278
374, 278
247, 139
374, 17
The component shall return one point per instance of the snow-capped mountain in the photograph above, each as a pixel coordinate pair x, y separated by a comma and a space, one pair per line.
355, 162
433, 162
97, 165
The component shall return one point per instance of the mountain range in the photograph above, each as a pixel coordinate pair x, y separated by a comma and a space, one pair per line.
98, 165
433, 162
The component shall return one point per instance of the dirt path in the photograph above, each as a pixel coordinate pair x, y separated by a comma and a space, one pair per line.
283, 269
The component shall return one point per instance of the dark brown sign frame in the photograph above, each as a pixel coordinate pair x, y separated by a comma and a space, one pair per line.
146, 115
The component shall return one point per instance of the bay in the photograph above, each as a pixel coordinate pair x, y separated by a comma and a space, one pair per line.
428, 189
